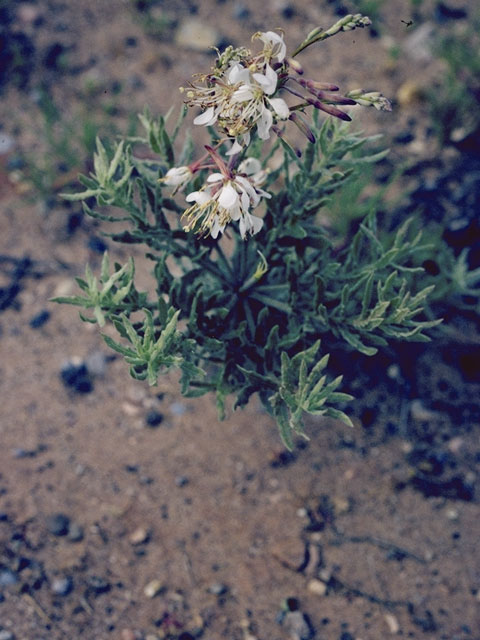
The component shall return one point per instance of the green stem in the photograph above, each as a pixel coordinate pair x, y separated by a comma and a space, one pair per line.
323, 35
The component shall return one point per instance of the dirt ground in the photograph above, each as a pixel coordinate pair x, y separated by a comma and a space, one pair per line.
133, 514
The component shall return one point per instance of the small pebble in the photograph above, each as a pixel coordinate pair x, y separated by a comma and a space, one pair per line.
297, 625
96, 363
58, 524
62, 586
153, 588
75, 532
452, 514
392, 623
420, 413
131, 409
139, 536
218, 589
317, 587
7, 578
128, 634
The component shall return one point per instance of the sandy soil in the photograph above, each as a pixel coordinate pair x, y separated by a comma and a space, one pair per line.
133, 514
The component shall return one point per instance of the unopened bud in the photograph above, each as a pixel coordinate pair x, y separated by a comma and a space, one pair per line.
296, 66
370, 99
303, 126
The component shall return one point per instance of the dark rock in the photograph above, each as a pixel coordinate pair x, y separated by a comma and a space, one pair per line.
283, 459
181, 481
58, 524
288, 12
41, 318
445, 12
97, 244
404, 138
74, 221
154, 418
52, 56
19, 453
76, 377
455, 488
131, 41
426, 622
98, 585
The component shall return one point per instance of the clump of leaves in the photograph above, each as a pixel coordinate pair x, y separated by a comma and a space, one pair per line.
254, 313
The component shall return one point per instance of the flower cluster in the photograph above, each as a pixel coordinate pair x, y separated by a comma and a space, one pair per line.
240, 98
225, 197
238, 93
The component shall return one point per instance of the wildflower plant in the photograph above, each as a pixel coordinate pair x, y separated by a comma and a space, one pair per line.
261, 290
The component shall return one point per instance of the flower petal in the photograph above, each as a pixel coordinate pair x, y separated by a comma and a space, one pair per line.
280, 107
264, 123
268, 80
216, 228
228, 197
215, 177
200, 197
236, 148
243, 94
237, 73
208, 117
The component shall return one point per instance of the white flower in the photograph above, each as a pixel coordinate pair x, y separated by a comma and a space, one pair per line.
177, 176
239, 95
273, 45
224, 199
